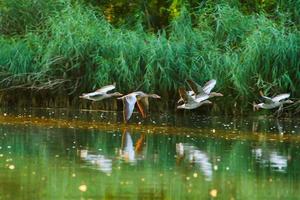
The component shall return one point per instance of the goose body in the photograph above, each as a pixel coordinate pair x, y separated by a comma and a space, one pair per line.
269, 106
190, 102
131, 99
199, 93
273, 102
101, 93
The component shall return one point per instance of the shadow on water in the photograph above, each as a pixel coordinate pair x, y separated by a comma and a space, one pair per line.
65, 157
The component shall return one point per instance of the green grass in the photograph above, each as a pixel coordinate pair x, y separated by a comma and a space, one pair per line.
70, 47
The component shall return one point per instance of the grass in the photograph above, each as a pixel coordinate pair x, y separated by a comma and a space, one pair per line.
71, 48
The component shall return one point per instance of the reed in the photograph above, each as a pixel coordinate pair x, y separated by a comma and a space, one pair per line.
71, 47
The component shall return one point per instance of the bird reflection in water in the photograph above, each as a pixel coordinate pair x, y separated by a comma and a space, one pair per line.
277, 125
195, 156
128, 152
179, 153
268, 157
271, 158
98, 161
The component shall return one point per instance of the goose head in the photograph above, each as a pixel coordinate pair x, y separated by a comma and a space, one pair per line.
116, 94
288, 101
155, 96
257, 106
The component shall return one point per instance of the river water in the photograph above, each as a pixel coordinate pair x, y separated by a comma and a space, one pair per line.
62, 154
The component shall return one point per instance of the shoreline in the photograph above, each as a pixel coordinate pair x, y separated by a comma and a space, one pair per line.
230, 134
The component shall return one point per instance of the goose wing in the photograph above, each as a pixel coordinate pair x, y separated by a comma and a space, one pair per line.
207, 88
128, 103
92, 96
200, 98
197, 89
280, 97
267, 100
184, 95
143, 105
106, 88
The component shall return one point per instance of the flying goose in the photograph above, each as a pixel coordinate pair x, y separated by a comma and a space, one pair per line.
189, 101
101, 93
201, 93
138, 97
273, 102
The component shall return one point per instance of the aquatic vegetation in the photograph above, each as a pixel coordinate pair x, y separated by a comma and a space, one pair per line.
71, 47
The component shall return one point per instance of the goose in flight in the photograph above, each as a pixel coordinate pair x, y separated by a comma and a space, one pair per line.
189, 101
201, 93
138, 97
101, 93
274, 102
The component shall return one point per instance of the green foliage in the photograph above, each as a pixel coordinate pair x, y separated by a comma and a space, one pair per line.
19, 16
15, 56
75, 47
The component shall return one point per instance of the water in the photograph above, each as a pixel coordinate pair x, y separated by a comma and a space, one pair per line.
74, 156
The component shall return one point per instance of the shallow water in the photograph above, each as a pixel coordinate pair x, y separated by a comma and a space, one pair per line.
67, 155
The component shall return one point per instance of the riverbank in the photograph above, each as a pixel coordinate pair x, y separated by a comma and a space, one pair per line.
228, 128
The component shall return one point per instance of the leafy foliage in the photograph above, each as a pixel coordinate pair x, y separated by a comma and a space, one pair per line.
72, 46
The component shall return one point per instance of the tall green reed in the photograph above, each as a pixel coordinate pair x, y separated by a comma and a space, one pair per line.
245, 52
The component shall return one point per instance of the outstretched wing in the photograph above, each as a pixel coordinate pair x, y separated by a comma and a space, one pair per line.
143, 105
281, 97
207, 88
91, 95
197, 89
128, 103
267, 100
106, 88
183, 94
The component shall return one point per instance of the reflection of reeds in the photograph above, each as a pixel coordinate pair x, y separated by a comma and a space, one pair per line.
75, 49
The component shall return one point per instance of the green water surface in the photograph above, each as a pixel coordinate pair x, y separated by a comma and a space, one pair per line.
40, 162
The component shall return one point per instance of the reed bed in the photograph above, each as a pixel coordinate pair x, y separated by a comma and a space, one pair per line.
71, 48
